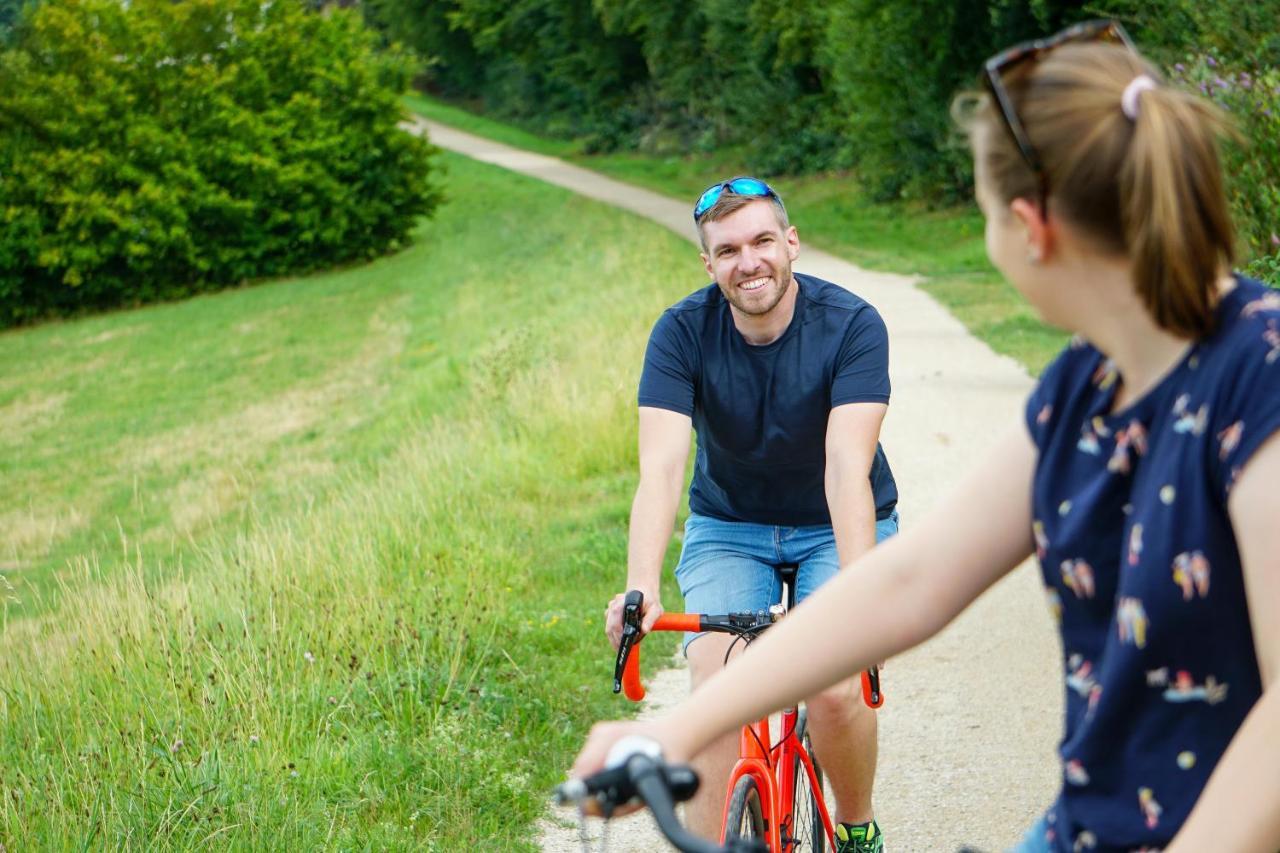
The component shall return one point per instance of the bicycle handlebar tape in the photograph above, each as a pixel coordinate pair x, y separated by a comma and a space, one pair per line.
871, 692
679, 622
631, 685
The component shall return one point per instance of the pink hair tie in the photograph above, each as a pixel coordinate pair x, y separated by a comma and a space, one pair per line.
1129, 100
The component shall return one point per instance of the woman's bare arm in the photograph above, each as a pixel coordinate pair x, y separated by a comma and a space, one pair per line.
1239, 809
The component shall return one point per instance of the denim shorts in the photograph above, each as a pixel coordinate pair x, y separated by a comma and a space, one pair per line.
728, 566
1036, 839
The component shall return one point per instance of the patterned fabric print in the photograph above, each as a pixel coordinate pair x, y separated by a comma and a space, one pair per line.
1143, 574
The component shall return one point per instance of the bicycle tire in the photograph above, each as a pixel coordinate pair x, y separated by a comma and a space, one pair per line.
745, 817
806, 833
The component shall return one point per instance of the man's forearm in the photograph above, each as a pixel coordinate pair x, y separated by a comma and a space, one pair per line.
653, 515
852, 504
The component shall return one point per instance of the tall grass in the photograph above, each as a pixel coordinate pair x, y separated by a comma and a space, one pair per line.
396, 644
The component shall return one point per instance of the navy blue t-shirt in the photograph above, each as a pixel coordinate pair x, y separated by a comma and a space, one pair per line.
1143, 573
760, 412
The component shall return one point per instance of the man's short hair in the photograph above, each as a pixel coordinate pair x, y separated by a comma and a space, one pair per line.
731, 202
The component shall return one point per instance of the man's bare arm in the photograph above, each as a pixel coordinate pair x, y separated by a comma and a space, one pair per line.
664, 448
853, 431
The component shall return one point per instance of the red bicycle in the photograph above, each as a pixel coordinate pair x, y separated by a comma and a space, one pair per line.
775, 790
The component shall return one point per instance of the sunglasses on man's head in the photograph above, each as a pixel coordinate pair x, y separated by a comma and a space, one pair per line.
738, 186
1000, 64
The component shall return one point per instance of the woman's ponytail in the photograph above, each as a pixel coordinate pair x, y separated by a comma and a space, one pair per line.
1176, 222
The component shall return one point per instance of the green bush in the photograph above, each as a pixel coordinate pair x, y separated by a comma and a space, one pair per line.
154, 149
1252, 166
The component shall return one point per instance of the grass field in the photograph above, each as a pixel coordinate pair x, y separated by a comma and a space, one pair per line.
317, 563
944, 246
314, 563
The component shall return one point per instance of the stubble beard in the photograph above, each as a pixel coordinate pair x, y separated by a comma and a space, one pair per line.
753, 308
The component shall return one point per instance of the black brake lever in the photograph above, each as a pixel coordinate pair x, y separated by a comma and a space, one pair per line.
631, 608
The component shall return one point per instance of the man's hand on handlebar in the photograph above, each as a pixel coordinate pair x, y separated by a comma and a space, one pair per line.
650, 611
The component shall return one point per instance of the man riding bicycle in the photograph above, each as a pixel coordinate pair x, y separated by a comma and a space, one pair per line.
784, 378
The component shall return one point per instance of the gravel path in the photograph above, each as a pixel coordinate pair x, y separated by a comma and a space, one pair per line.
968, 730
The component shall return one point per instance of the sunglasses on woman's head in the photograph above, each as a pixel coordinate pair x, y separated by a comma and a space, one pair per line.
1000, 64
738, 186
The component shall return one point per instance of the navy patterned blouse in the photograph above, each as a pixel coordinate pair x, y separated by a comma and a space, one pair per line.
1143, 574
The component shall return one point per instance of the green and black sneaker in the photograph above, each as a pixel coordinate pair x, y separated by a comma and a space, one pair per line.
859, 837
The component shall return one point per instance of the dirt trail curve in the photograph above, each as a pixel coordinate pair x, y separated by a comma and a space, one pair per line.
968, 732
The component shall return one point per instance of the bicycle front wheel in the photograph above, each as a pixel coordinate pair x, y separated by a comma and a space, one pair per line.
745, 818
805, 831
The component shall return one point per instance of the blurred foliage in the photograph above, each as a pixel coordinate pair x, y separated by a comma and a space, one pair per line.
10, 13
797, 87
1252, 164
1229, 53
800, 87
1246, 34
154, 149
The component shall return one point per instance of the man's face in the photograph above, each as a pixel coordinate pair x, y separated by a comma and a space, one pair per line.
749, 255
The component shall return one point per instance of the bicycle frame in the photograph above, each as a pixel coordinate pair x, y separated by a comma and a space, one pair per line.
771, 765
777, 792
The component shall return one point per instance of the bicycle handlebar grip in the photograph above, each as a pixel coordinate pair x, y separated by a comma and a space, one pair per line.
871, 692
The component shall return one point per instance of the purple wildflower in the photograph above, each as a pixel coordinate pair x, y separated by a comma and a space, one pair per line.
1275, 239
1204, 90
1179, 67
1211, 62
1220, 83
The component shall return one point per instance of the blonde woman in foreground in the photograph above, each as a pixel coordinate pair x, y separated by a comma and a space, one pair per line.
1144, 474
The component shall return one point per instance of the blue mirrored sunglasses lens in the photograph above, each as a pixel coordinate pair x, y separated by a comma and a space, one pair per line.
707, 199
749, 186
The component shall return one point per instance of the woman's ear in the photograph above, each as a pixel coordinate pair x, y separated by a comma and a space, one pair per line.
1036, 228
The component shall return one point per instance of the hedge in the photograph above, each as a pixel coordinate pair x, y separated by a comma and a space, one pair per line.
153, 149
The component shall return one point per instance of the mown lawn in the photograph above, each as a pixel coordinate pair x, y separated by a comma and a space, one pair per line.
945, 246
320, 563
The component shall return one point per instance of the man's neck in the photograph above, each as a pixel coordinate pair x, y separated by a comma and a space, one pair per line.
761, 329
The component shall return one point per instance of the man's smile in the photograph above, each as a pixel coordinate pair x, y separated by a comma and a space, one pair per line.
755, 283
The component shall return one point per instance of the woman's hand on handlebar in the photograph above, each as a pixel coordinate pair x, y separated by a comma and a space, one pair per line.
604, 736
650, 611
